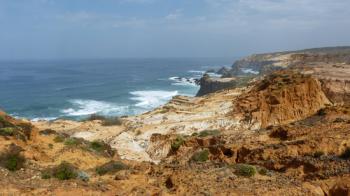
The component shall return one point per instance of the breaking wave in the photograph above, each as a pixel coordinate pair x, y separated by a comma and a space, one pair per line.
83, 107
151, 99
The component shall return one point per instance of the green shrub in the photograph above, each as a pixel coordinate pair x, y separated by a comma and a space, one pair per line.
175, 145
346, 154
111, 167
245, 170
12, 159
7, 131
106, 121
64, 171
14, 162
201, 156
4, 122
95, 117
98, 146
59, 139
263, 171
112, 121
71, 142
194, 134
209, 133
45, 175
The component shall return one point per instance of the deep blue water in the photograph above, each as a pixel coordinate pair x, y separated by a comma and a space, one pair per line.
77, 88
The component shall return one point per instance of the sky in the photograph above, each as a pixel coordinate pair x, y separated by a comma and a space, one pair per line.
60, 29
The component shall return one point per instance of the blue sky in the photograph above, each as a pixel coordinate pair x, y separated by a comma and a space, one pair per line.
44, 29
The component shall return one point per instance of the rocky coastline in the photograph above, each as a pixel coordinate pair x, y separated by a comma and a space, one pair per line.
280, 128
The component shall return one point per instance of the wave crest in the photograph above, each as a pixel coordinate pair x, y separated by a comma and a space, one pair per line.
83, 107
152, 99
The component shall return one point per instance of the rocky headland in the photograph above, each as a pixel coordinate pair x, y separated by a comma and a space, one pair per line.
280, 128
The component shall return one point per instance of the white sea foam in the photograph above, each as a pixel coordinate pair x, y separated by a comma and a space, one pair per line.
82, 107
180, 81
151, 99
197, 71
214, 75
251, 71
44, 119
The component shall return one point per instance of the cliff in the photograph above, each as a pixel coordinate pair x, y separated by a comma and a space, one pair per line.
269, 62
285, 133
210, 85
261, 64
281, 98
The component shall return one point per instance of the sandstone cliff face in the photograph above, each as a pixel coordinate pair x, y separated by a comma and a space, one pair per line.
279, 99
337, 91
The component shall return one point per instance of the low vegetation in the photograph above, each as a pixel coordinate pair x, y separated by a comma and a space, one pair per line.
101, 147
201, 156
209, 133
59, 139
7, 131
175, 145
12, 159
111, 167
21, 130
64, 171
245, 170
263, 171
4, 122
106, 121
72, 142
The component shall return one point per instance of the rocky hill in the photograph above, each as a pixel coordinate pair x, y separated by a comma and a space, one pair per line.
261, 64
285, 133
266, 63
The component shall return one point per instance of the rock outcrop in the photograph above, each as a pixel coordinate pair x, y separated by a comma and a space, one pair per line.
281, 98
210, 85
269, 62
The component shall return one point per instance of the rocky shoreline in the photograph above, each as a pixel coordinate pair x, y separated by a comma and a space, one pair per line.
283, 131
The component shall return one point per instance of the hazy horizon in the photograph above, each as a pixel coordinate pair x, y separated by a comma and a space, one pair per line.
66, 29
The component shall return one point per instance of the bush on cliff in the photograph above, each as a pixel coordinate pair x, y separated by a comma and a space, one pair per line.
12, 159
59, 139
245, 170
201, 156
111, 167
11, 127
175, 145
206, 133
106, 121
7, 131
101, 147
64, 171
72, 141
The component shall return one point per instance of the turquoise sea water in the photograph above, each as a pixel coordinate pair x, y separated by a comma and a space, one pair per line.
50, 89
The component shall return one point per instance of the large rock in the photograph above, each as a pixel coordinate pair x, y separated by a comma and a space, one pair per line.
210, 85
281, 98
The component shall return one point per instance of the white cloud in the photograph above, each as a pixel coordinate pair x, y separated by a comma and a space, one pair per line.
174, 15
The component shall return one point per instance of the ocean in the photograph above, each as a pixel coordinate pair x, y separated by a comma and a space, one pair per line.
75, 89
